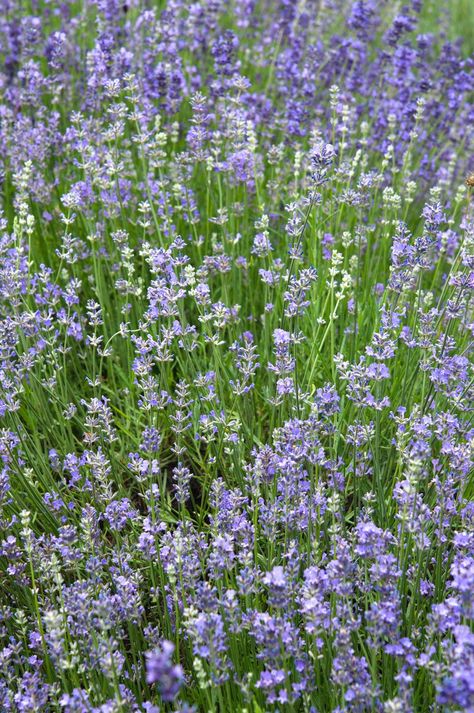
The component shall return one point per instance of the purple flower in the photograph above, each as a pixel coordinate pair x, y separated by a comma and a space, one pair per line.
162, 671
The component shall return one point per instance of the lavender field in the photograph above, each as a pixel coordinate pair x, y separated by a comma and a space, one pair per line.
236, 339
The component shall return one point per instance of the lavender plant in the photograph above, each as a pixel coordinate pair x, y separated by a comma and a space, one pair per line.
236, 376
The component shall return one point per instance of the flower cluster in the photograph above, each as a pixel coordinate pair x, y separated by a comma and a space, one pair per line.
236, 375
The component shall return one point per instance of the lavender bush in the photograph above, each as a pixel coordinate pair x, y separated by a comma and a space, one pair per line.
236, 320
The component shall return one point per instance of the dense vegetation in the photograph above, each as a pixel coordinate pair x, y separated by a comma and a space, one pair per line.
236, 383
